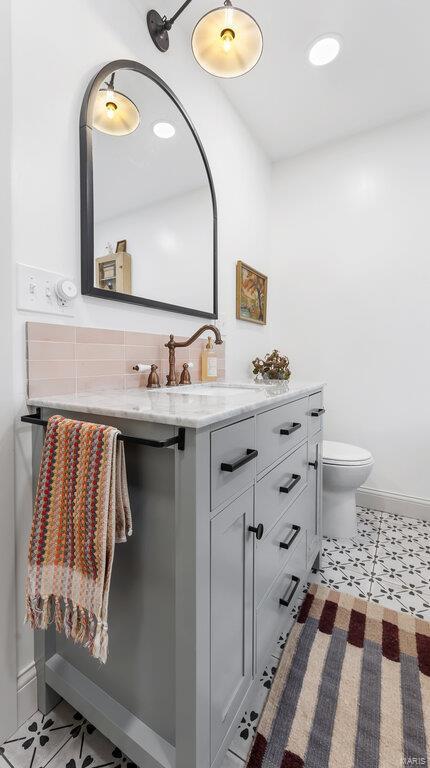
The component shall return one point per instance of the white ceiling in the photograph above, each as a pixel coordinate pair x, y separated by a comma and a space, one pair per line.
381, 75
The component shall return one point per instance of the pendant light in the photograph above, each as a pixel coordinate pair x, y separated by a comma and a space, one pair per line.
114, 113
226, 42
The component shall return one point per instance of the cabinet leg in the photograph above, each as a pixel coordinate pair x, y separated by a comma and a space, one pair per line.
44, 647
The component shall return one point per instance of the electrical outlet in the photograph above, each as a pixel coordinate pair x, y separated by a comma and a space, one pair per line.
41, 291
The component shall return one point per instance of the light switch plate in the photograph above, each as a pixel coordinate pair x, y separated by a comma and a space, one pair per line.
36, 291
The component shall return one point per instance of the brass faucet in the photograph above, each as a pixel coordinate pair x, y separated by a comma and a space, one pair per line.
172, 344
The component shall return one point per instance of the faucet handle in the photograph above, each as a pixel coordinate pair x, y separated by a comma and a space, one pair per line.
153, 378
185, 375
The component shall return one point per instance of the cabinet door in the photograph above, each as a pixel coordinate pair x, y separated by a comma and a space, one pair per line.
231, 613
314, 526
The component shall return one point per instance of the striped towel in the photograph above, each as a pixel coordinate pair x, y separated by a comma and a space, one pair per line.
81, 510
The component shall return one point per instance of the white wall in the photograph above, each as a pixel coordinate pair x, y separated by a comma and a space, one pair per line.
8, 712
351, 241
171, 247
57, 47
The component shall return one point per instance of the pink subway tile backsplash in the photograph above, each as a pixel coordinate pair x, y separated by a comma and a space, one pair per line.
99, 383
65, 359
99, 336
99, 351
50, 332
52, 369
143, 354
47, 387
51, 350
99, 367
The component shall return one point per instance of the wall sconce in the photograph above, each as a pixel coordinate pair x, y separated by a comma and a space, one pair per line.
114, 113
226, 42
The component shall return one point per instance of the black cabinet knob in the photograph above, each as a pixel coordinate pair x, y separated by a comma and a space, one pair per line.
259, 531
313, 464
318, 412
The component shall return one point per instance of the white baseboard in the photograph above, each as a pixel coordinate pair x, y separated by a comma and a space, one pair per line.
27, 693
395, 503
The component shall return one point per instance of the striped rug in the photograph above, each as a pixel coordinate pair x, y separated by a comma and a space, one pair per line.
352, 689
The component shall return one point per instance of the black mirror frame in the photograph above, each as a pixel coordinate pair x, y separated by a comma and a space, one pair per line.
87, 195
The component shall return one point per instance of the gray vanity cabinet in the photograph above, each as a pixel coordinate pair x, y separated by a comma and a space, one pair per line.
231, 613
225, 534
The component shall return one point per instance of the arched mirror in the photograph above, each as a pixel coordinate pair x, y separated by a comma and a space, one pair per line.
148, 207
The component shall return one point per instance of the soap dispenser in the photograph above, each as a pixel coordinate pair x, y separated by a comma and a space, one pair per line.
209, 362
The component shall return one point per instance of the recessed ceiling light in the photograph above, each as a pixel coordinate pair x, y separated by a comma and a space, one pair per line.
324, 50
164, 130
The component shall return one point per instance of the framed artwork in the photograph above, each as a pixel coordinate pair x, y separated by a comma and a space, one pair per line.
121, 246
251, 294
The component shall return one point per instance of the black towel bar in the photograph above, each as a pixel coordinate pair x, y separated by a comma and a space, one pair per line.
179, 439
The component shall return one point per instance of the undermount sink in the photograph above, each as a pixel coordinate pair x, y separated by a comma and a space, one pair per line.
212, 390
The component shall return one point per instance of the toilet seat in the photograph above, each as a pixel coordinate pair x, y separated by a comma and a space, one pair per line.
345, 455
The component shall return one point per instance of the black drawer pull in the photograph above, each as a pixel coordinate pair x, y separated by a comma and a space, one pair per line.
259, 531
292, 428
313, 464
250, 455
294, 480
287, 544
287, 600
318, 412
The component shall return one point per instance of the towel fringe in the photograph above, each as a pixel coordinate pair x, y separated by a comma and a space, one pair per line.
79, 625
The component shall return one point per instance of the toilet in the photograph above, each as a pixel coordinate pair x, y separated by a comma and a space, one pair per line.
345, 469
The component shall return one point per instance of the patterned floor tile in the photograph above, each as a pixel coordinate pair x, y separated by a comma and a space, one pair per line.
247, 727
398, 522
396, 596
368, 517
412, 577
363, 550
89, 748
345, 579
352, 559
40, 738
405, 557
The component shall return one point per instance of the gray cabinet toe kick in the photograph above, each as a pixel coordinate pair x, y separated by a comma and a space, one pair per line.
225, 534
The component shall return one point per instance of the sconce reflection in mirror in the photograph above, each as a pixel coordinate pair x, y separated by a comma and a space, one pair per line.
226, 42
114, 113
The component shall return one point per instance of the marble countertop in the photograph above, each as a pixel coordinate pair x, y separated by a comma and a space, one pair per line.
181, 406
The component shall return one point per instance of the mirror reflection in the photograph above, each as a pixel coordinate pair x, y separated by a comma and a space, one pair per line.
153, 208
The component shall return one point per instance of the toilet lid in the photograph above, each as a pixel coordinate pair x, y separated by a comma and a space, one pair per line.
343, 453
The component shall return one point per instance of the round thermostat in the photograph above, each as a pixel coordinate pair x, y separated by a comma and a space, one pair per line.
66, 290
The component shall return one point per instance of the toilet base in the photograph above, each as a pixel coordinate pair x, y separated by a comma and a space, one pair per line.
339, 514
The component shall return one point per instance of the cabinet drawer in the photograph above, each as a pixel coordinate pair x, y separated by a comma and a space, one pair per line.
232, 460
316, 413
274, 550
271, 614
290, 475
279, 430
